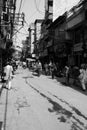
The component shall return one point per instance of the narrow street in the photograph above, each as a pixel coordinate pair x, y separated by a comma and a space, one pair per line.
40, 103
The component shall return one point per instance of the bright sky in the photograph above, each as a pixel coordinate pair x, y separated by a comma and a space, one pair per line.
60, 6
34, 9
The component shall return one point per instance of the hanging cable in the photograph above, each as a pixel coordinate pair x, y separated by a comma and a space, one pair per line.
26, 24
20, 6
25, 29
17, 31
22, 33
23, 3
30, 18
38, 8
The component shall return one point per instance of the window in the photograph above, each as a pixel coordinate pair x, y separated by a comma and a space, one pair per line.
50, 2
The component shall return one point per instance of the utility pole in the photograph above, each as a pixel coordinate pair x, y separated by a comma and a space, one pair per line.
12, 20
29, 29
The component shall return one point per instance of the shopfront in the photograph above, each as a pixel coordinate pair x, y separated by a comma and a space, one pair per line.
78, 54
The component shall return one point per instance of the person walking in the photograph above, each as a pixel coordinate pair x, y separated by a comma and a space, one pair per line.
75, 74
8, 70
83, 77
39, 67
50, 67
53, 70
46, 68
67, 75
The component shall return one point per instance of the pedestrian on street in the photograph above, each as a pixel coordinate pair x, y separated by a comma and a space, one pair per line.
39, 67
67, 74
46, 68
8, 70
75, 74
83, 77
49, 67
53, 70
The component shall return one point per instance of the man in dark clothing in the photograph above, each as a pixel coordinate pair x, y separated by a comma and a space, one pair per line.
53, 70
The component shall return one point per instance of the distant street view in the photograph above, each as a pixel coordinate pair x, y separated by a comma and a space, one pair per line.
43, 65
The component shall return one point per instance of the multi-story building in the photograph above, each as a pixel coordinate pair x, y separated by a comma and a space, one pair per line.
7, 14
37, 35
77, 27
70, 36
65, 39
44, 39
31, 39
60, 49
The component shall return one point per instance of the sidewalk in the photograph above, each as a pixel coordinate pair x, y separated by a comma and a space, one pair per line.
27, 104
69, 94
62, 80
76, 87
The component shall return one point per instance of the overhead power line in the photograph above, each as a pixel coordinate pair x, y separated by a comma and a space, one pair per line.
22, 33
37, 8
26, 23
20, 6
17, 31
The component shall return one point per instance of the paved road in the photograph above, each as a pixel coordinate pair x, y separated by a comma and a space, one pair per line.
40, 103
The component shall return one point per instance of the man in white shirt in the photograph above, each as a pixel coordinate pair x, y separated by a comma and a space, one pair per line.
8, 69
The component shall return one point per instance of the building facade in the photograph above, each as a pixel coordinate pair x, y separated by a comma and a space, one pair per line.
37, 35
65, 40
7, 14
44, 39
62, 43
77, 27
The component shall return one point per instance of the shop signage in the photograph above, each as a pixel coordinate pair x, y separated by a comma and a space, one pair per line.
76, 20
78, 47
60, 48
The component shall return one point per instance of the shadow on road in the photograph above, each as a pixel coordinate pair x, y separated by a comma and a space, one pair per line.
76, 87
63, 115
26, 77
17, 73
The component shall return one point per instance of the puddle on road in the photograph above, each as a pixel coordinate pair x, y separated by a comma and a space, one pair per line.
64, 115
73, 108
